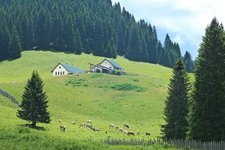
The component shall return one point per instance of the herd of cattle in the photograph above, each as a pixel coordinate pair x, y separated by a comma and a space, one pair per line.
88, 124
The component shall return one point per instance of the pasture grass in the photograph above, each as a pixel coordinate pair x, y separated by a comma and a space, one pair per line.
136, 99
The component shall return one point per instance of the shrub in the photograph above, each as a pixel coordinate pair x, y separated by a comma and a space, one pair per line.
127, 87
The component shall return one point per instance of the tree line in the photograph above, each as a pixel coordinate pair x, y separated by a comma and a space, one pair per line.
75, 26
199, 114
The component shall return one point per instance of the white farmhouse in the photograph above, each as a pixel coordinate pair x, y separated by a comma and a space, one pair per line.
106, 66
65, 69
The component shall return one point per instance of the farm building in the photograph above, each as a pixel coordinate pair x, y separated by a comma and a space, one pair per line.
106, 66
65, 69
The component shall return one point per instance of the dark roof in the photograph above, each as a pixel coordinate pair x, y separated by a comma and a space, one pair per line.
114, 64
72, 69
69, 68
100, 66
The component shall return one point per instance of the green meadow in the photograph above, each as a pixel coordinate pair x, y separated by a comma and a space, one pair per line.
136, 99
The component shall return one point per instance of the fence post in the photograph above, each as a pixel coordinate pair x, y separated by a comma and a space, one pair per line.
7, 95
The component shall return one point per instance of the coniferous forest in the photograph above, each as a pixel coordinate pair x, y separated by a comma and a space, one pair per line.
75, 26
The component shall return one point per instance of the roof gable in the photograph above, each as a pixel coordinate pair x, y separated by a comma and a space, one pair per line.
113, 63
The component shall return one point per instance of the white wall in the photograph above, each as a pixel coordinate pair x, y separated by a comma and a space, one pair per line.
60, 71
107, 64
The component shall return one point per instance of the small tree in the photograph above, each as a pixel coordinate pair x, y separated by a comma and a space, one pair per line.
34, 105
176, 109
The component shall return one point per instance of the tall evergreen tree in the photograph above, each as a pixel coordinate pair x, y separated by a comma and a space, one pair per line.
4, 39
188, 62
176, 104
14, 48
207, 109
78, 43
134, 44
98, 37
34, 105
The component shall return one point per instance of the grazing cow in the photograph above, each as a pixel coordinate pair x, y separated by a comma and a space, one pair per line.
62, 128
89, 126
89, 121
138, 132
82, 125
126, 125
73, 123
111, 126
130, 133
97, 130
147, 133
116, 127
121, 130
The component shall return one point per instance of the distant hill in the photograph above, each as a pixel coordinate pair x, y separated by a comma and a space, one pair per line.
76, 26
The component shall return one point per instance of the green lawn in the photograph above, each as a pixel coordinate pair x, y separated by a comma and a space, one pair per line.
136, 99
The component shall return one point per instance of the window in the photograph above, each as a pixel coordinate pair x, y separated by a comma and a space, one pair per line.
59, 67
55, 73
63, 72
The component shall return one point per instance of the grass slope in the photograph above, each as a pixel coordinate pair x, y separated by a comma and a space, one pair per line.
136, 99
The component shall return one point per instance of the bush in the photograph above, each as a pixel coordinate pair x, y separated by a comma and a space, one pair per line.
127, 87
76, 82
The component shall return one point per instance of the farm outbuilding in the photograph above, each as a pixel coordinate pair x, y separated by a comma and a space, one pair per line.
106, 66
64, 69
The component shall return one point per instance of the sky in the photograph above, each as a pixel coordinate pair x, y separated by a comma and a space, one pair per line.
184, 20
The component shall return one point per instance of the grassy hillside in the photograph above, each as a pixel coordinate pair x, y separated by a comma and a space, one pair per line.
136, 99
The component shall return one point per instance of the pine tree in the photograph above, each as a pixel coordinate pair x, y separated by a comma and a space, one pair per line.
176, 104
98, 37
207, 109
34, 105
134, 44
69, 35
188, 62
14, 48
4, 39
78, 42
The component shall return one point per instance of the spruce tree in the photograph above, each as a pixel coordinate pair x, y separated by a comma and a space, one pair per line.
4, 39
34, 104
133, 44
14, 48
176, 104
207, 111
77, 42
188, 62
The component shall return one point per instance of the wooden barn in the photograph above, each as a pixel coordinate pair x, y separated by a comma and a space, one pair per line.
64, 69
106, 66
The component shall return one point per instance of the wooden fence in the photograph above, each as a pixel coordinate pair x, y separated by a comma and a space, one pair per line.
198, 145
180, 144
9, 96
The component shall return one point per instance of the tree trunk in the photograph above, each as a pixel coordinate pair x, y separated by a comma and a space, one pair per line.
33, 124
